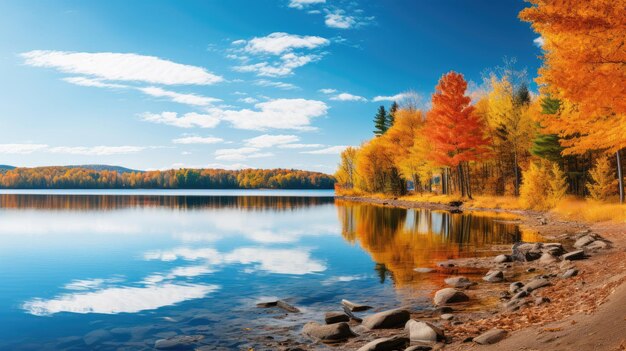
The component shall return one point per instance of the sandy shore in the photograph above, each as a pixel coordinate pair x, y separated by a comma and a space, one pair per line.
584, 312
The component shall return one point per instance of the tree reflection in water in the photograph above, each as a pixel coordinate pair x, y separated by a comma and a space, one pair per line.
399, 240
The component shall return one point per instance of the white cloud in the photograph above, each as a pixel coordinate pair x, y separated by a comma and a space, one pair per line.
288, 62
299, 146
21, 148
121, 67
266, 140
188, 99
188, 120
279, 85
396, 97
197, 140
96, 150
279, 43
348, 97
248, 100
278, 114
328, 91
90, 82
539, 41
119, 299
339, 20
333, 150
300, 4
240, 154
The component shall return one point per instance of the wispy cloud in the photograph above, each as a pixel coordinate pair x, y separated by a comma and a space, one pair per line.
188, 99
240, 154
301, 4
275, 114
348, 97
96, 150
396, 97
299, 146
284, 67
278, 43
248, 100
187, 120
128, 67
267, 140
91, 82
21, 148
333, 150
197, 140
339, 20
539, 41
327, 91
275, 84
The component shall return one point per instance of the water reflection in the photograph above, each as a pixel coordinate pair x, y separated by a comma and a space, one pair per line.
400, 240
114, 202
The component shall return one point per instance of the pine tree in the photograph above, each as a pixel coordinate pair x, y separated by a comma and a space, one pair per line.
547, 146
604, 182
391, 116
380, 121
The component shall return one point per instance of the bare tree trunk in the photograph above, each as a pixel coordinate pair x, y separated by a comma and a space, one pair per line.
620, 178
461, 179
516, 171
468, 181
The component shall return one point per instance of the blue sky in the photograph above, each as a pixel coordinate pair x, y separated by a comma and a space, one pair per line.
154, 84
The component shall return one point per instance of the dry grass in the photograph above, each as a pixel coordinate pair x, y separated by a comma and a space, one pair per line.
590, 210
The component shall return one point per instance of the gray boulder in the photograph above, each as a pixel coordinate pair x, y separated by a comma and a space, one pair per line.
449, 295
536, 284
597, 245
572, 272
355, 307
584, 241
423, 332
490, 337
520, 295
447, 316
547, 258
526, 252
502, 259
330, 333
178, 342
419, 348
459, 282
494, 276
335, 317
423, 270
387, 319
575, 255
514, 287
386, 344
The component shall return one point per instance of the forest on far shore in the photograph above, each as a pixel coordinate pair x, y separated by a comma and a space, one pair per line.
85, 178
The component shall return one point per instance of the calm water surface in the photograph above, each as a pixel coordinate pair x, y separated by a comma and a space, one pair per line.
108, 271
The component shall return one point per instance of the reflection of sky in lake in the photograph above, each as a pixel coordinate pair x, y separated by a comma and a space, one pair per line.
76, 271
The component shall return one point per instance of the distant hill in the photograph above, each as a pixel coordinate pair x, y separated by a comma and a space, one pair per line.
119, 169
4, 168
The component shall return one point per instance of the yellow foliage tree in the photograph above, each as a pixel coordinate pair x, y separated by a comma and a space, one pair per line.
604, 182
543, 186
346, 173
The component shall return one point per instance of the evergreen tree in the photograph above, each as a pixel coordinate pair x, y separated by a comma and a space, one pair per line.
547, 146
391, 117
380, 121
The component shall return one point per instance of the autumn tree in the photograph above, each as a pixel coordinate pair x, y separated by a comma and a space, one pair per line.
603, 183
543, 186
456, 132
584, 53
346, 173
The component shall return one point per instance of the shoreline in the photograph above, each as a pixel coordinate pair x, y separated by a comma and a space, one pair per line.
550, 317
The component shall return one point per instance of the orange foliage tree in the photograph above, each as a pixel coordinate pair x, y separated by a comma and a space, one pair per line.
585, 68
456, 132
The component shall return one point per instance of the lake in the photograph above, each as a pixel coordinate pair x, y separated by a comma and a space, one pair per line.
112, 270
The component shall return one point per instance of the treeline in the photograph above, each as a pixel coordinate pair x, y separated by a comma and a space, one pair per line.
82, 178
502, 140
